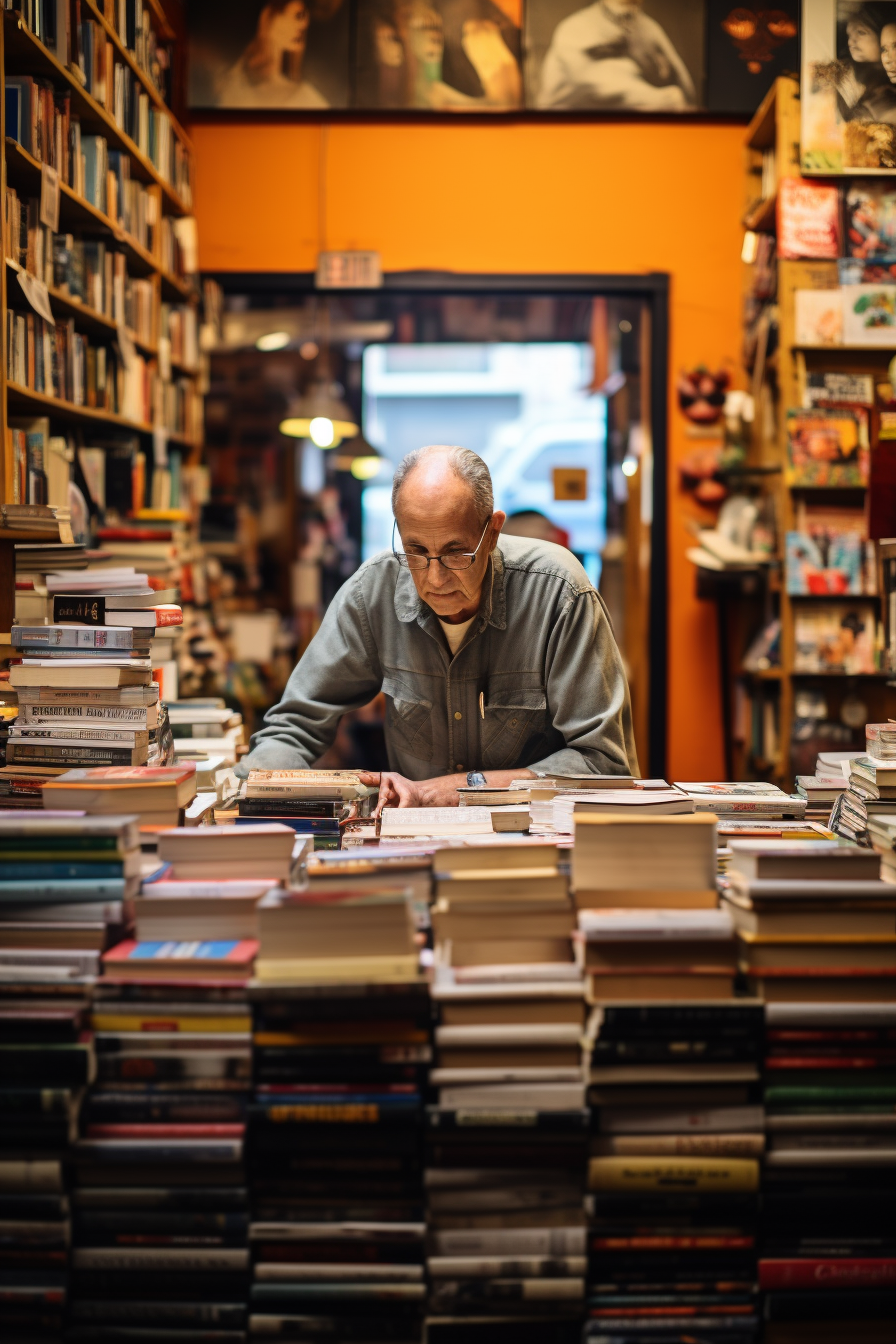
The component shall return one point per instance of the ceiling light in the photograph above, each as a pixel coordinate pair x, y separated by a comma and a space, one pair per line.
273, 340
309, 350
365, 468
320, 415
629, 466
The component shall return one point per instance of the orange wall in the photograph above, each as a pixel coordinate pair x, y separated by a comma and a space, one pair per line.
621, 197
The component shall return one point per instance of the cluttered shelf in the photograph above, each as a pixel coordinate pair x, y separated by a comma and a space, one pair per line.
139, 73
88, 318
29, 56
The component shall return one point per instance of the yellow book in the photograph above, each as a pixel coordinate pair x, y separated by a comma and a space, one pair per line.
161, 1021
722, 1174
345, 1033
336, 970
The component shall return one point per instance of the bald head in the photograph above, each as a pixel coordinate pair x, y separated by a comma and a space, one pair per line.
438, 468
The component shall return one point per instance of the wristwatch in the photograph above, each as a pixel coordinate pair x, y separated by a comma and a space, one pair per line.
476, 780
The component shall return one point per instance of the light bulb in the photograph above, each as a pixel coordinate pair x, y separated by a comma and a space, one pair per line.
629, 466
363, 468
321, 432
273, 340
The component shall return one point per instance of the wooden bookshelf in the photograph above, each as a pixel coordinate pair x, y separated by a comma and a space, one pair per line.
22, 53
778, 386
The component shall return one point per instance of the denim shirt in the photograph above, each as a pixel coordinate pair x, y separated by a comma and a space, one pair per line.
538, 681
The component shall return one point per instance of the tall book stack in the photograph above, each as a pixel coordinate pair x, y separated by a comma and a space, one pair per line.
335, 1151
673, 1171
159, 1199
828, 1260
313, 802
868, 801
506, 1139
64, 882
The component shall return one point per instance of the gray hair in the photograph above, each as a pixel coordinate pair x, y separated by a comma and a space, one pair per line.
466, 465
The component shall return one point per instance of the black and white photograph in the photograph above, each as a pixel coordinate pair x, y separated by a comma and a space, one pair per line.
614, 56
849, 86
438, 55
283, 55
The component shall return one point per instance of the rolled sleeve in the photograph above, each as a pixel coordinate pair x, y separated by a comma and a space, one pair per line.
587, 694
338, 672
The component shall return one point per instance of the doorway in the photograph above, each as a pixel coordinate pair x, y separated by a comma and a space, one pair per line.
559, 382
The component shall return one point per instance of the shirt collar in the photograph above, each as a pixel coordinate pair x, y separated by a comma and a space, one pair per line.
492, 610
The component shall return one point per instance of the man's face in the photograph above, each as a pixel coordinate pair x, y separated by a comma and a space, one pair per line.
436, 516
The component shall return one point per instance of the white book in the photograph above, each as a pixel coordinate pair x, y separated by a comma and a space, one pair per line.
435, 821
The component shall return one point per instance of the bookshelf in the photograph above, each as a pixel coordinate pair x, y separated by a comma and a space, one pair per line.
779, 365
120, 362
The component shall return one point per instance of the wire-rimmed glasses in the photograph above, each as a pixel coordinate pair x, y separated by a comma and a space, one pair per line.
453, 560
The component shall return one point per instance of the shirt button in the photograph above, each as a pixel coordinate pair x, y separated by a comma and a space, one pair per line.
457, 714
458, 766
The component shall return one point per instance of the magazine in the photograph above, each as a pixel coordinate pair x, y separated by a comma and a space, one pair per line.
828, 447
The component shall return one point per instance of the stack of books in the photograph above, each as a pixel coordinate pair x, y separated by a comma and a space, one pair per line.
814, 921
67, 883
205, 728
501, 904
157, 795
47, 967
745, 800
647, 798
645, 955
335, 1156
828, 1264
870, 793
86, 697
160, 1226
507, 1136
312, 802
506, 1152
880, 740
674, 1171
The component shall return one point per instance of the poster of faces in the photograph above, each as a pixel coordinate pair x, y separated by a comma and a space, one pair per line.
849, 87
492, 56
283, 55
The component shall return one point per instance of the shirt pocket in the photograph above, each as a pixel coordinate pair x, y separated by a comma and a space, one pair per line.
408, 717
515, 713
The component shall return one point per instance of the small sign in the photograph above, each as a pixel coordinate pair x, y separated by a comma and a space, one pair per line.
570, 483
349, 270
37, 294
49, 197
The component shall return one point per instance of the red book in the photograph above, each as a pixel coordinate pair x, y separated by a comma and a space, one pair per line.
808, 219
820, 1062
775, 1274
683, 1243
134, 534
166, 1131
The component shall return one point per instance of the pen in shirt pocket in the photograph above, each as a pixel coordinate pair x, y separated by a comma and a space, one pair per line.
482, 704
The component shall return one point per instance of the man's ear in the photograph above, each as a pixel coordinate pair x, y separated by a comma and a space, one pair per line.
499, 518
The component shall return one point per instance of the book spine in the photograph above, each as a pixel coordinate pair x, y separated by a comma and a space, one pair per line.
36, 639
775, 1275
688, 1145
507, 1119
115, 1257
84, 610
63, 889
165, 1130
53, 872
23, 752
62, 715
683, 1174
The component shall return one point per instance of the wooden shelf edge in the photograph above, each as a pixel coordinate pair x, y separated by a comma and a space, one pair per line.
89, 316
42, 402
762, 218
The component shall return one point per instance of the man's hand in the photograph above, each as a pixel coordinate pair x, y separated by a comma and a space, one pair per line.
396, 791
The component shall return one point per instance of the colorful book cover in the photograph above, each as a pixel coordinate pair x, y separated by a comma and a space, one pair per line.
808, 220
233, 952
828, 447
869, 314
834, 639
822, 561
871, 221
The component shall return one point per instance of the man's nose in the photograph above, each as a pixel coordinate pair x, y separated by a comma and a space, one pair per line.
439, 576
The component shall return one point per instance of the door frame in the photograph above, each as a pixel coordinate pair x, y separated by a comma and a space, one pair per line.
651, 288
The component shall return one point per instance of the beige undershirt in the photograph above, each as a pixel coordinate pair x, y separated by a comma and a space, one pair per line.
455, 634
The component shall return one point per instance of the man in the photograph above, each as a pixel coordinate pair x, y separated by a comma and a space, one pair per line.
610, 55
494, 659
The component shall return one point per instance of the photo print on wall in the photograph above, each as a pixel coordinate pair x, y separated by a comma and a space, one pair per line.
849, 86
438, 55
747, 48
614, 55
283, 55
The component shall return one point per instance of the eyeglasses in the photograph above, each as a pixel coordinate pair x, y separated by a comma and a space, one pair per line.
453, 560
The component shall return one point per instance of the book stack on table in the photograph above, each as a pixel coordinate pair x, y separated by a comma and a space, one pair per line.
48, 963
335, 1151
828, 1263
506, 1141
867, 807
673, 1169
156, 794
814, 921
745, 800
313, 802
160, 1217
